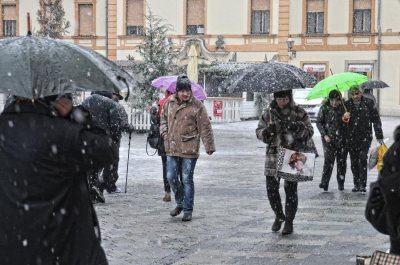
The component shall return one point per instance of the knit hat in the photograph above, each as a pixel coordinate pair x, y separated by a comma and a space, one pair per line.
334, 94
183, 83
282, 94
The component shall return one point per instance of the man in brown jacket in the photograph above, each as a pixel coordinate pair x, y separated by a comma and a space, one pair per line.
184, 122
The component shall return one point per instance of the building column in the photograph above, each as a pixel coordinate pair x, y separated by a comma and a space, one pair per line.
112, 30
283, 30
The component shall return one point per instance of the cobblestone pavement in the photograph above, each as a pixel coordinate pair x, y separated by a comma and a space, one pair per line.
232, 218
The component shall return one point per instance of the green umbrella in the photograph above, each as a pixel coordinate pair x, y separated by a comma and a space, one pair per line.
341, 81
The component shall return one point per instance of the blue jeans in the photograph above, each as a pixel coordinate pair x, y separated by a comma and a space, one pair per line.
184, 191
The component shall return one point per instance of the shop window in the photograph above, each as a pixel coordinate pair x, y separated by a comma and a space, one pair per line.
364, 69
317, 70
260, 16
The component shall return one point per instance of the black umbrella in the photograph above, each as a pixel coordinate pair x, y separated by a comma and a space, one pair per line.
268, 77
372, 84
34, 67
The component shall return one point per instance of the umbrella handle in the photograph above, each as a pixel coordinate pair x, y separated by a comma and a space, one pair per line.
341, 100
270, 116
345, 110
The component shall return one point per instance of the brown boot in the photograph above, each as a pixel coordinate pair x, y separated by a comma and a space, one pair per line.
287, 228
167, 197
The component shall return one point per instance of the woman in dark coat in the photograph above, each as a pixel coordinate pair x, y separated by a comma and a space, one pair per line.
46, 213
383, 209
330, 125
284, 124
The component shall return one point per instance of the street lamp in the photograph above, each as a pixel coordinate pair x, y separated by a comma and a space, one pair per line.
292, 53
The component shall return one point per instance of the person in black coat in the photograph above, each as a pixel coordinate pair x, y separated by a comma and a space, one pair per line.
383, 210
46, 213
362, 115
330, 125
106, 114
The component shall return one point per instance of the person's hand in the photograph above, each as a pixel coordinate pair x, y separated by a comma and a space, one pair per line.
327, 138
380, 141
210, 153
271, 128
346, 116
63, 106
131, 129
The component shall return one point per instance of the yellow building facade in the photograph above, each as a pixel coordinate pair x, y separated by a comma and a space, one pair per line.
320, 36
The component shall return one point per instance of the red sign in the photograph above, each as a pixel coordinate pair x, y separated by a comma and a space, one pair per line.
217, 108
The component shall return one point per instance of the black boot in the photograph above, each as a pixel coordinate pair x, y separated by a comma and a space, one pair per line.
287, 228
322, 186
176, 211
276, 226
187, 217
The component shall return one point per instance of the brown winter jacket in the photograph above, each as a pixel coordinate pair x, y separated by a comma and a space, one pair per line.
182, 126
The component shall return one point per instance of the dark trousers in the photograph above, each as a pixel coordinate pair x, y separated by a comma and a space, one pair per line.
110, 175
332, 153
167, 188
394, 246
275, 198
105, 178
359, 163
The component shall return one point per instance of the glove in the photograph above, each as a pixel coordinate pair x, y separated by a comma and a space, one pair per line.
380, 141
270, 130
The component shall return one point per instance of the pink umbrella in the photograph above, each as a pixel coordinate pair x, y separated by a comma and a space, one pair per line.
168, 82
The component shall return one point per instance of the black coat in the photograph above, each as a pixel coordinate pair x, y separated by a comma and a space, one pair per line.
383, 209
329, 122
108, 115
46, 213
362, 117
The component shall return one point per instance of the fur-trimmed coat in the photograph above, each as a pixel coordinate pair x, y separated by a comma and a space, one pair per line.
273, 129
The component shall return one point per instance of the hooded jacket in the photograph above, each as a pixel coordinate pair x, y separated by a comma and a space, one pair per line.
46, 213
183, 124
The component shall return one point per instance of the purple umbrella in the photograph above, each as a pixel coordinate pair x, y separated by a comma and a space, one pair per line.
168, 82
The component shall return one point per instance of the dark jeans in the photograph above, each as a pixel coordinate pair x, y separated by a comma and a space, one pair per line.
332, 153
167, 188
275, 198
359, 163
183, 189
